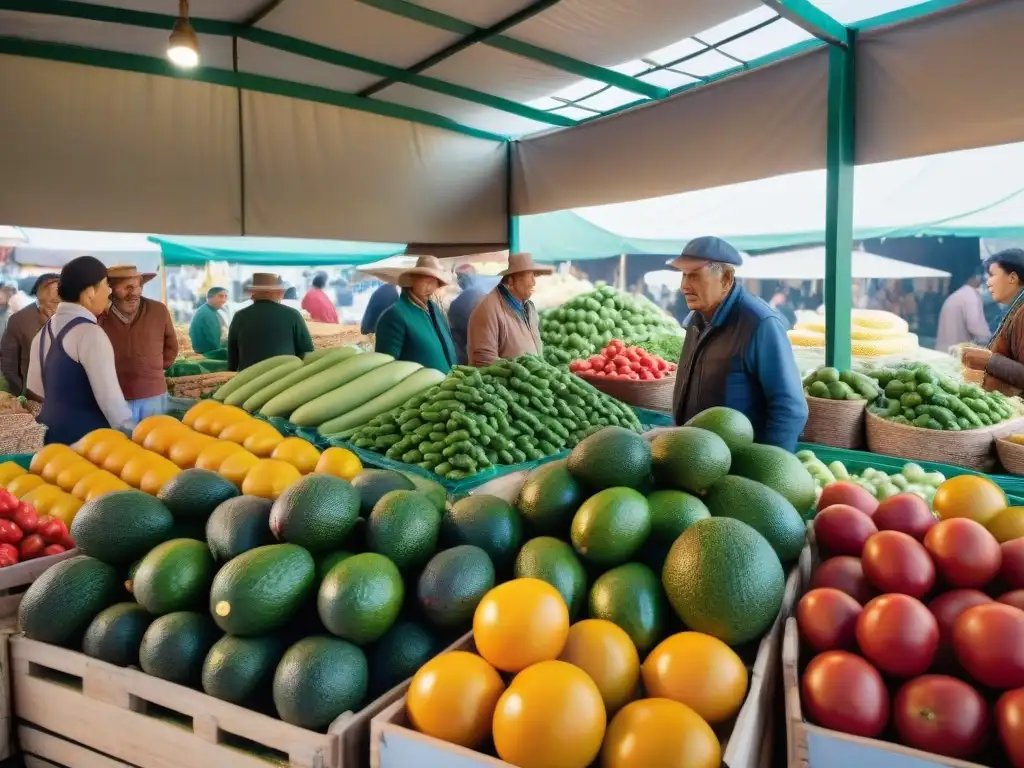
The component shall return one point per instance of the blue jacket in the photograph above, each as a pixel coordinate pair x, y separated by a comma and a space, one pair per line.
742, 359
458, 315
382, 298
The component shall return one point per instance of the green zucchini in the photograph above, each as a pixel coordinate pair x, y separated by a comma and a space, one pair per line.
244, 377
247, 390
317, 354
325, 381
343, 399
309, 367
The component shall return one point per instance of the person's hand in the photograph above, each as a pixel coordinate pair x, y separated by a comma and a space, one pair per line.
976, 358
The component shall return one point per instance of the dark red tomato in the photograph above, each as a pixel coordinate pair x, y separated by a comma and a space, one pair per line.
1014, 598
845, 574
907, 513
827, 619
1012, 569
9, 552
67, 542
8, 503
941, 715
989, 643
947, 607
31, 546
842, 530
899, 635
10, 533
1010, 725
52, 530
27, 518
896, 562
965, 554
845, 492
53, 549
843, 692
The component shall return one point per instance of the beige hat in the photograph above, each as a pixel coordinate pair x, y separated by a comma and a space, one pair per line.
523, 262
127, 272
266, 282
425, 265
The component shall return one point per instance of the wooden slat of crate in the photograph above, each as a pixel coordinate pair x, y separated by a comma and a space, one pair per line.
14, 577
45, 749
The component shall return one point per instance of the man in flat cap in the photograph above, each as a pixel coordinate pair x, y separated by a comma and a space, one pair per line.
16, 341
736, 352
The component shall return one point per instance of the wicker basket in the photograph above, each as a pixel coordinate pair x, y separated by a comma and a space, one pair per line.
970, 448
20, 433
198, 385
655, 395
327, 335
836, 423
1011, 455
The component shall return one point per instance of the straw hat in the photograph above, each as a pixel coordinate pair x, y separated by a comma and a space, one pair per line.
127, 272
266, 282
523, 262
428, 266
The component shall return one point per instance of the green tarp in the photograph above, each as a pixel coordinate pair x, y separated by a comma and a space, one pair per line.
271, 251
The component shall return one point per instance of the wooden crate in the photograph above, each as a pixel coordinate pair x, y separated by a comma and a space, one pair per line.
15, 579
123, 716
394, 744
7, 628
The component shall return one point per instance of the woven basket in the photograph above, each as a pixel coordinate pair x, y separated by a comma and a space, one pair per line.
836, 423
198, 385
1011, 455
655, 395
970, 448
20, 433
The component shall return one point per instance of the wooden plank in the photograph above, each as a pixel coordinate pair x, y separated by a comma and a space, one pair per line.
28, 571
7, 748
44, 748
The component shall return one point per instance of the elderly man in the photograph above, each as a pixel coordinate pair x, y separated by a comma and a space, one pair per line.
414, 328
736, 352
142, 334
317, 303
462, 308
267, 327
505, 324
209, 327
22, 327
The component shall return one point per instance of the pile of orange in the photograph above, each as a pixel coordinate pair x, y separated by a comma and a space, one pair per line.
576, 690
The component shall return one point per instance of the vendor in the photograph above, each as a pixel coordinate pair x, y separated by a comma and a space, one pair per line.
16, 343
415, 327
381, 300
462, 308
209, 327
71, 365
506, 324
145, 345
1003, 361
317, 303
736, 352
267, 328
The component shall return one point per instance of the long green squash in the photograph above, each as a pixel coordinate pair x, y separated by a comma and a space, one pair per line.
418, 382
309, 367
242, 378
327, 380
250, 388
316, 354
352, 395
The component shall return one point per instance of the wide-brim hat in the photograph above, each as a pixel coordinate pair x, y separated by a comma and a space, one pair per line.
428, 266
266, 282
523, 262
707, 249
127, 272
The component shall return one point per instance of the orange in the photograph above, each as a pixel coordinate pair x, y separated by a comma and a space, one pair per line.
8, 471
551, 716
96, 445
65, 508
340, 463
659, 732
519, 623
219, 419
148, 424
452, 697
201, 407
42, 496
269, 478
68, 479
119, 456
187, 449
699, 671
213, 455
605, 652
45, 455
163, 436
970, 496
236, 466
157, 476
97, 484
263, 441
137, 466
300, 453
22, 484
1008, 524
238, 431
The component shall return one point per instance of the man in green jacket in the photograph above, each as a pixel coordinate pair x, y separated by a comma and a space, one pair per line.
267, 328
415, 328
209, 327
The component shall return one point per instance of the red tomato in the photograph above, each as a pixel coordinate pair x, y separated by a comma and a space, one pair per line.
26, 518
1014, 597
646, 375
635, 366
941, 715
9, 552
947, 607
8, 503
53, 549
844, 492
31, 546
843, 692
7, 560
596, 361
657, 374
895, 562
898, 634
965, 554
907, 513
10, 533
842, 530
633, 376
989, 643
1010, 725
632, 356
1012, 569
845, 574
52, 530
67, 542
827, 619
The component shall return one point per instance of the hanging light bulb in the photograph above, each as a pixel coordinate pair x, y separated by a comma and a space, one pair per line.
183, 45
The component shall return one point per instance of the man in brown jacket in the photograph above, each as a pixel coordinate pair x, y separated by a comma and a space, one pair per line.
16, 343
142, 334
505, 323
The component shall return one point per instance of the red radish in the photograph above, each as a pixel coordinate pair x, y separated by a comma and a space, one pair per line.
842, 530
907, 513
53, 549
965, 554
845, 492
26, 518
10, 533
31, 546
895, 562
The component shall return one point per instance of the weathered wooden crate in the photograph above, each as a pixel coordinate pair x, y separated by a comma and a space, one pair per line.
394, 744
7, 628
107, 716
15, 579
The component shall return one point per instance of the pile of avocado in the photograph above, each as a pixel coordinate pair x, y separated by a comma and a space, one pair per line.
829, 384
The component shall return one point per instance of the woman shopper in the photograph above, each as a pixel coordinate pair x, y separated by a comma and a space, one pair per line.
71, 365
1003, 361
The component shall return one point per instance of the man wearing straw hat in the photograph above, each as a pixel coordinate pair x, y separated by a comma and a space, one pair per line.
415, 328
506, 324
736, 352
267, 327
141, 332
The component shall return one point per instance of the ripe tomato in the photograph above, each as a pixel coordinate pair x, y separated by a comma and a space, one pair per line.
26, 518
989, 643
898, 634
843, 692
1010, 725
9, 554
53, 549
31, 546
8, 503
10, 533
845, 492
965, 554
842, 530
1014, 598
947, 607
846, 574
941, 715
895, 562
907, 513
1012, 569
51, 529
827, 619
